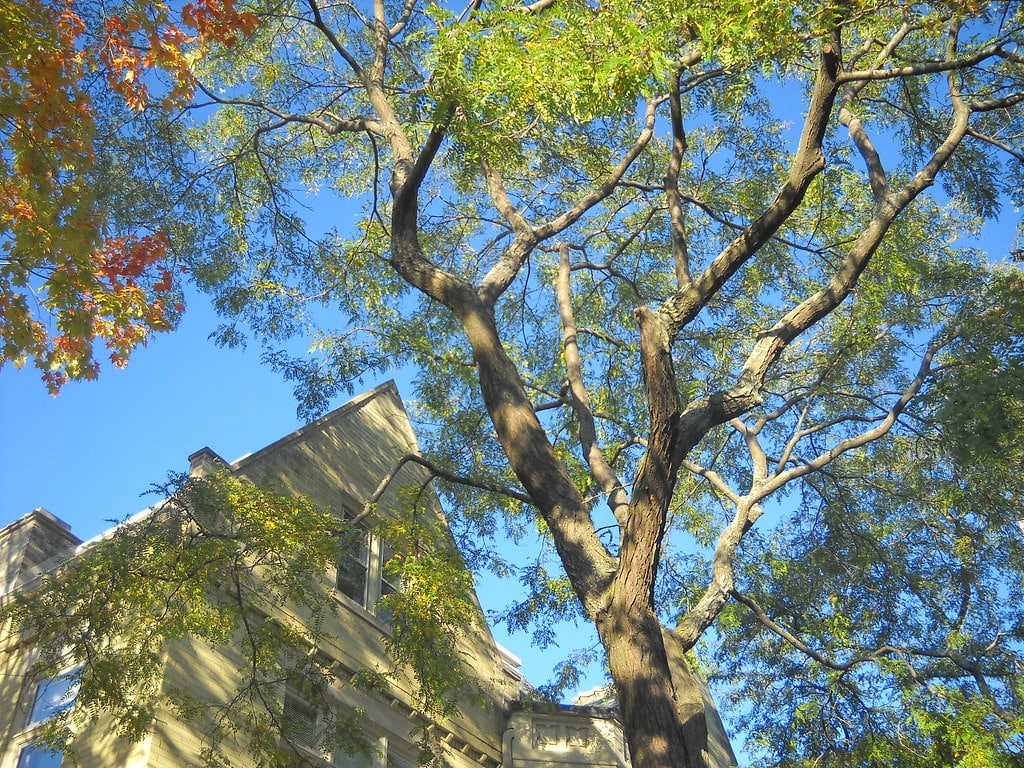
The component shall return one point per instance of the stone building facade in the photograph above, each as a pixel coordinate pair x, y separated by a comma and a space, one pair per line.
338, 461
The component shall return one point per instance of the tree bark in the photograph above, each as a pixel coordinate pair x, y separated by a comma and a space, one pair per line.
660, 700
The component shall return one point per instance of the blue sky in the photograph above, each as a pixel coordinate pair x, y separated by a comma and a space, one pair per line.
90, 454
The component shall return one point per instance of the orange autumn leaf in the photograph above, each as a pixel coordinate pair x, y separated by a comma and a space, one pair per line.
67, 284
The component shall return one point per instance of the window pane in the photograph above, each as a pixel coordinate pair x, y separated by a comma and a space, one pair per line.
352, 576
37, 757
53, 696
385, 613
352, 569
388, 584
364, 755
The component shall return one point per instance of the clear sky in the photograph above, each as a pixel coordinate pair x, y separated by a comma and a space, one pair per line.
90, 454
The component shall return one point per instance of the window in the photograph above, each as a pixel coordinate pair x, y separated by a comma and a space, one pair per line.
361, 575
38, 757
300, 720
381, 751
51, 697
357, 759
305, 724
352, 572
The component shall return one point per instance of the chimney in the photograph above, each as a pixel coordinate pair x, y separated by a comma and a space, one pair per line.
33, 544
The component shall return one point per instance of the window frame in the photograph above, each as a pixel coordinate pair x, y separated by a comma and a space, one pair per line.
373, 556
52, 696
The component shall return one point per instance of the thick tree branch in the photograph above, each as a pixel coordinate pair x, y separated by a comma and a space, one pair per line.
746, 393
809, 161
403, 20
676, 213
587, 561
656, 477
770, 345
928, 68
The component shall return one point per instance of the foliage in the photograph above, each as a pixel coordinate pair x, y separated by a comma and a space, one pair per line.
432, 609
222, 563
69, 275
684, 301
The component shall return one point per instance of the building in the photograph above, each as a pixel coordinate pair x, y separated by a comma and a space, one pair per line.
338, 461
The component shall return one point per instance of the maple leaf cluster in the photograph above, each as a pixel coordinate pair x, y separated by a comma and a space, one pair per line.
66, 281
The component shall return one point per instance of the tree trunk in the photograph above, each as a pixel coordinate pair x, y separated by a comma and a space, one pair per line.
660, 699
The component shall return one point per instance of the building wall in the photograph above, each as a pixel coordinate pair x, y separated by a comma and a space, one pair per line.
338, 461
30, 545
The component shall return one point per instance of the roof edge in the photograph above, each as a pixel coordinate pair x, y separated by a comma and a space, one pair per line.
388, 387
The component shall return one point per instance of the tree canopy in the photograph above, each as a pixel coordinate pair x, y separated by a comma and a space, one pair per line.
699, 292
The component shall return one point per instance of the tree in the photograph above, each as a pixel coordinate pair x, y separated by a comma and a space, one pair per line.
681, 298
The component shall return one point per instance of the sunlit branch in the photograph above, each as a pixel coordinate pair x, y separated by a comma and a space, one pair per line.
928, 68
499, 197
871, 43
680, 254
1016, 154
771, 344
868, 436
599, 466
758, 458
382, 41
766, 351
716, 480
990, 105
332, 126
702, 615
536, 7
608, 184
504, 272
876, 172
403, 19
